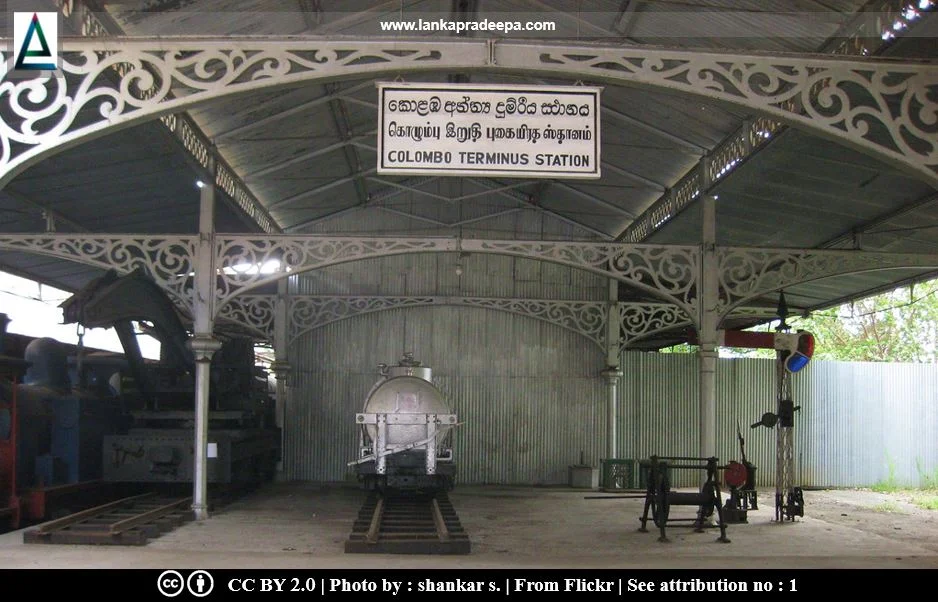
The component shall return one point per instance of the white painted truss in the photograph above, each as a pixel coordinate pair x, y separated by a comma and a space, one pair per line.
169, 259
306, 313
885, 108
670, 272
746, 273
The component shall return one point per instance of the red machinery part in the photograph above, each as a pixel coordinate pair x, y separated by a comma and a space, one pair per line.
735, 474
8, 493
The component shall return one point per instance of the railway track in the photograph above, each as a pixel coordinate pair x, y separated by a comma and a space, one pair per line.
130, 521
407, 524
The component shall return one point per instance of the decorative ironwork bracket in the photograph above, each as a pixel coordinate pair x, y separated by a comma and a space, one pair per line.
306, 313
167, 259
747, 273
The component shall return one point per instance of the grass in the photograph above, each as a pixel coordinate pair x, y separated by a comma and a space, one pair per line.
887, 507
886, 486
927, 501
925, 496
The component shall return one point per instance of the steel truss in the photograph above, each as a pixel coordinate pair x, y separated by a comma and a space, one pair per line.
885, 108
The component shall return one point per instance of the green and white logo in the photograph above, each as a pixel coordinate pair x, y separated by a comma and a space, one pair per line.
36, 41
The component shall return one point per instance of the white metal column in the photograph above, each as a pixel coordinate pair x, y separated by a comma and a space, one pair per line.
612, 373
281, 365
707, 329
203, 344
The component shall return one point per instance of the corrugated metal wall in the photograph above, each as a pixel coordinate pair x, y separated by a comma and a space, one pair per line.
531, 401
526, 391
859, 423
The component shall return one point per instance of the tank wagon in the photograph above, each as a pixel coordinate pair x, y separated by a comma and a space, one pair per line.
405, 431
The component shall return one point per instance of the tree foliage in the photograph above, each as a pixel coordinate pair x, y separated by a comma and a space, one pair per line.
898, 326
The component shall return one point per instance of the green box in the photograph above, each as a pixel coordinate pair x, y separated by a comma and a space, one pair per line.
618, 474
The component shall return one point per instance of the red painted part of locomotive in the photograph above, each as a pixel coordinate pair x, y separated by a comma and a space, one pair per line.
8, 492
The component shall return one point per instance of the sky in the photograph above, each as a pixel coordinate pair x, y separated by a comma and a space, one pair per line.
33, 311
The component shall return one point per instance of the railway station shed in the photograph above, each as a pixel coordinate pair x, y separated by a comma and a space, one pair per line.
532, 196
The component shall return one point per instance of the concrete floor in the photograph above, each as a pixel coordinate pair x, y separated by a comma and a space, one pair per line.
304, 525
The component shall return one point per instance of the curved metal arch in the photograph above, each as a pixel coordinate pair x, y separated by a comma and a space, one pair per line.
894, 118
586, 318
747, 273
167, 259
668, 272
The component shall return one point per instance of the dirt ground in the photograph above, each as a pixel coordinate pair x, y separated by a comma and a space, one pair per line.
891, 516
305, 525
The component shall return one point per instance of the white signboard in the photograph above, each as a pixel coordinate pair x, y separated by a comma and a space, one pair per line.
488, 130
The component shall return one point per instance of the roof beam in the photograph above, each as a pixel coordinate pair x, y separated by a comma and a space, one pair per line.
241, 196
885, 288
633, 176
358, 101
303, 157
433, 195
575, 17
44, 208
373, 199
312, 13
411, 215
369, 15
682, 142
472, 220
625, 20
527, 201
313, 192
343, 126
594, 199
294, 110
850, 28
406, 188
850, 236
324, 217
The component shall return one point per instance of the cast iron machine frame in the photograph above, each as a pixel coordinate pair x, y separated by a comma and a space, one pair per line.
659, 497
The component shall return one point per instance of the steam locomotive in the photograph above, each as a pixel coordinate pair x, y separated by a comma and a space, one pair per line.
123, 420
158, 446
51, 433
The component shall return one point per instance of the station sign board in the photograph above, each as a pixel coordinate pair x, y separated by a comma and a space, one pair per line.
488, 130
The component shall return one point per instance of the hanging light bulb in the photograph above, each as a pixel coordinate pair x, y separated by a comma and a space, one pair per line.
459, 269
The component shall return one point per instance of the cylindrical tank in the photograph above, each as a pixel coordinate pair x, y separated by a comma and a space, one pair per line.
404, 395
414, 453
